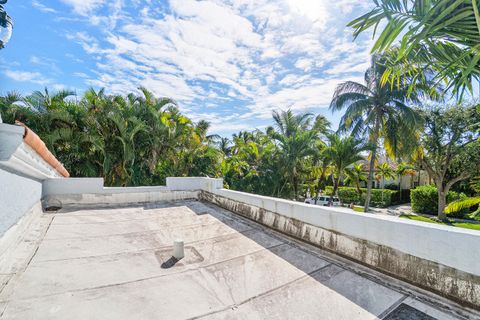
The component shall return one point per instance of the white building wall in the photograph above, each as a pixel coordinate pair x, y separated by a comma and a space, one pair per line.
17, 196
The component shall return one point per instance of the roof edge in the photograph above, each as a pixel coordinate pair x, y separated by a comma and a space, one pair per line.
33, 141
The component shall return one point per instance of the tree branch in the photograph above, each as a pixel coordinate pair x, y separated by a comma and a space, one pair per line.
463, 176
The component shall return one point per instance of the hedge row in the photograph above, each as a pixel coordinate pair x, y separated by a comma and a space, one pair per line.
349, 195
425, 199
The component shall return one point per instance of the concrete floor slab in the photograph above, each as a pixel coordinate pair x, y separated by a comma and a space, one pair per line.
312, 298
60, 276
114, 263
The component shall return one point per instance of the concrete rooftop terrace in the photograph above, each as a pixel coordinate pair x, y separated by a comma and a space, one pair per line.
104, 262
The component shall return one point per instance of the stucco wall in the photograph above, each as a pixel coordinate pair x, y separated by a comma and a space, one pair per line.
17, 196
60, 192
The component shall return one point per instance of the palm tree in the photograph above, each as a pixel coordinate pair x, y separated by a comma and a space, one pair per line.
224, 144
378, 111
343, 152
385, 172
294, 137
45, 101
435, 34
354, 175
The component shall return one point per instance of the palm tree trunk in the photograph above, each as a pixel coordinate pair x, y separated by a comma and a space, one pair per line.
400, 188
335, 188
320, 182
295, 187
373, 156
383, 187
359, 191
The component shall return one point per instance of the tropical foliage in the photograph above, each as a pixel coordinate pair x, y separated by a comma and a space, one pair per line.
342, 153
378, 112
467, 203
425, 199
442, 36
355, 175
449, 147
131, 140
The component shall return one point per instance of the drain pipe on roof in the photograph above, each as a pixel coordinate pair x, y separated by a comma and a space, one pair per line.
178, 249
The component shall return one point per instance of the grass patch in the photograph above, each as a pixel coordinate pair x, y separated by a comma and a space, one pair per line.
359, 209
466, 225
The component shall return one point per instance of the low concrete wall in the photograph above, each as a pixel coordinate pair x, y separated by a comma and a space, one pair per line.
441, 259
194, 183
129, 196
59, 192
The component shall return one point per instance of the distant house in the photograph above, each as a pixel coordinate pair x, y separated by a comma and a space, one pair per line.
416, 177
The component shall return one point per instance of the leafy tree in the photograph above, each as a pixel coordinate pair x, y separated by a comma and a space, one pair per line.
44, 101
136, 139
341, 153
433, 34
379, 112
449, 147
384, 172
294, 137
354, 175
224, 144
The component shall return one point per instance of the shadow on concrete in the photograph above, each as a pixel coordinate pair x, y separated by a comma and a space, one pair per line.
375, 298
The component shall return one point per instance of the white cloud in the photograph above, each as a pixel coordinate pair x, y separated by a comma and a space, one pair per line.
304, 64
40, 6
84, 7
253, 55
26, 76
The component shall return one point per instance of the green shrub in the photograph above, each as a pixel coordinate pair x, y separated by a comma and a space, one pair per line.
349, 195
425, 199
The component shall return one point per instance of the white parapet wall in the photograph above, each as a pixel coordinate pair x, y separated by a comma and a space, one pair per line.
194, 183
451, 246
91, 191
18, 195
21, 173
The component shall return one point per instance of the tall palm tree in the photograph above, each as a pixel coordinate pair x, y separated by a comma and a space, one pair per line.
354, 175
295, 140
379, 112
343, 152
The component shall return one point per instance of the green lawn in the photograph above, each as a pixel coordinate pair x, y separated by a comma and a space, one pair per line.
466, 225
358, 209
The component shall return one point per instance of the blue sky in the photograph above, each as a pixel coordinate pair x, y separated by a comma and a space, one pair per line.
230, 62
